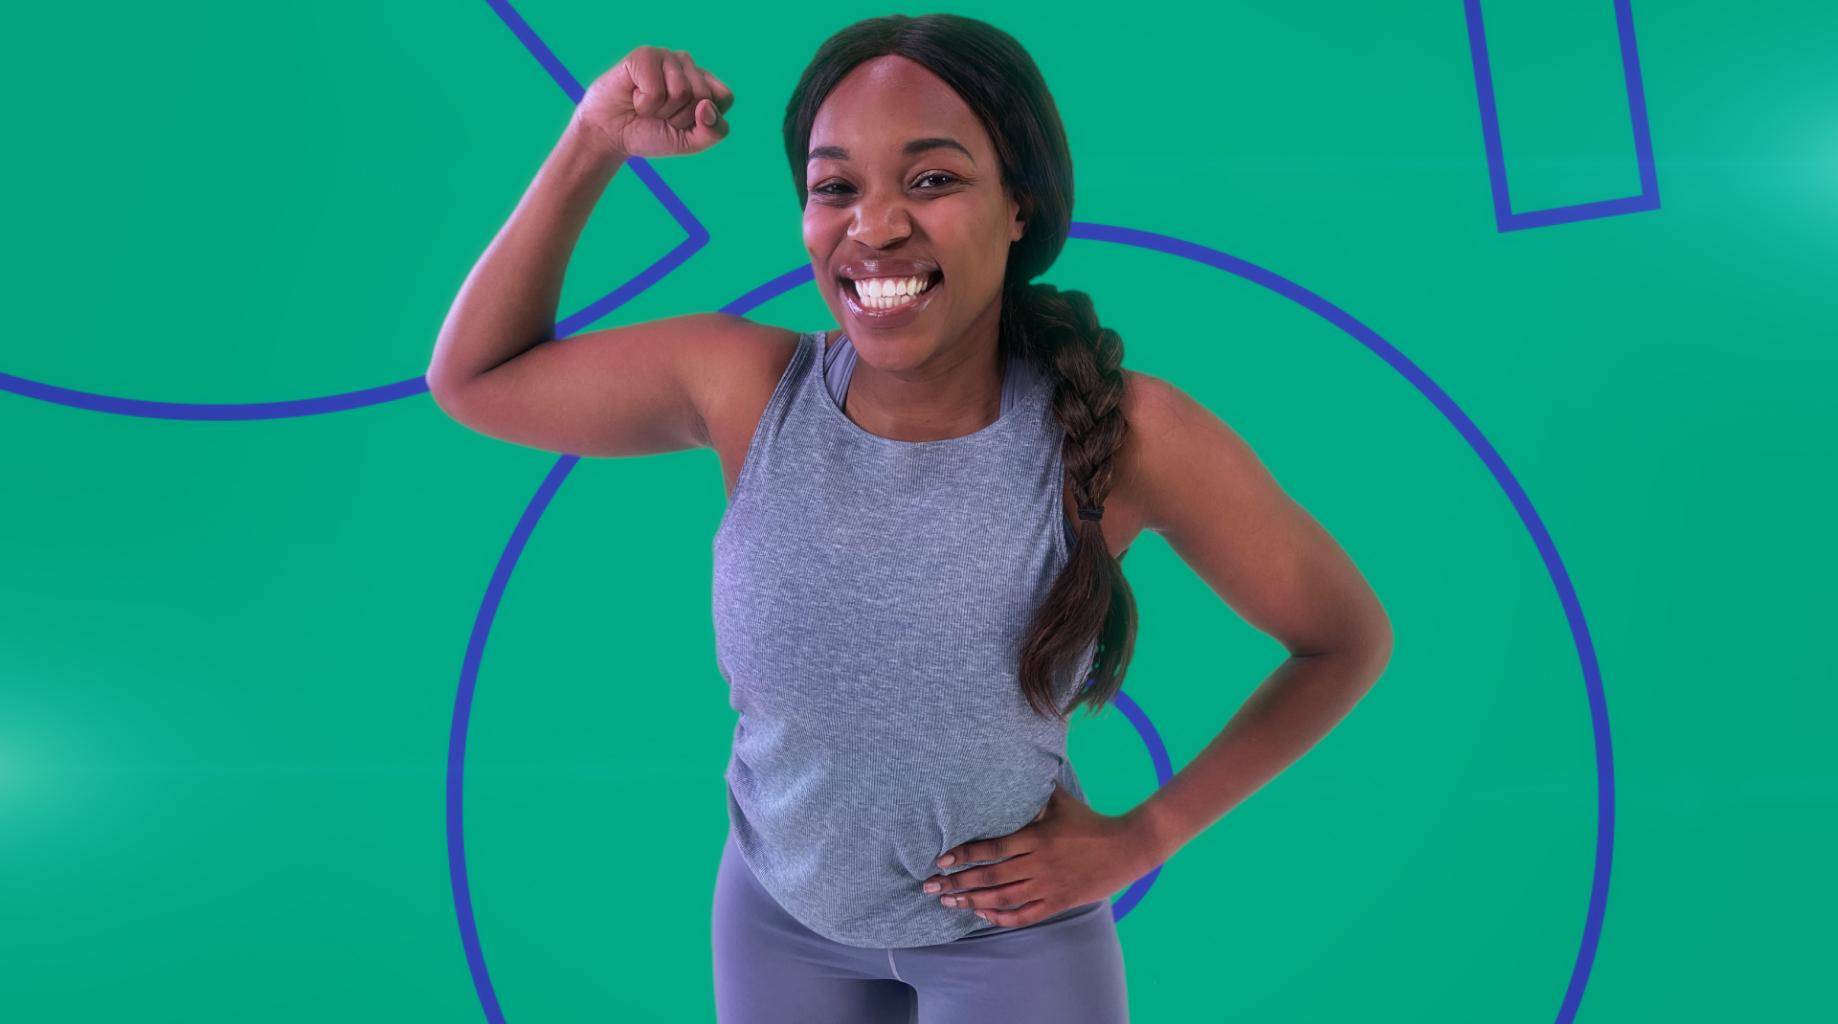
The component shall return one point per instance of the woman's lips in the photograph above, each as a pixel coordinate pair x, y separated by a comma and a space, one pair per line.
885, 319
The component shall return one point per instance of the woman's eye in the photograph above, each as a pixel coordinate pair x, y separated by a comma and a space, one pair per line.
824, 190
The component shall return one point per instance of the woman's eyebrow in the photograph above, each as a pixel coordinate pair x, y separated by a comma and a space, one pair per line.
912, 148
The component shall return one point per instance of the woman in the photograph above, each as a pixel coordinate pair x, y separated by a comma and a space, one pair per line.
916, 566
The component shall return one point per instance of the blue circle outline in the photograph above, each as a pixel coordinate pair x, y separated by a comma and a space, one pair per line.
1169, 245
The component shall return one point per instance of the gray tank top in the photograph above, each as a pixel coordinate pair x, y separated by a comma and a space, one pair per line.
870, 598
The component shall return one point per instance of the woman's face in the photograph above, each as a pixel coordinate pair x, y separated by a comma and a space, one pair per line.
938, 207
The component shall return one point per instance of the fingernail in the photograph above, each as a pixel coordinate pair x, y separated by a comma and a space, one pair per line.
946, 860
932, 887
708, 115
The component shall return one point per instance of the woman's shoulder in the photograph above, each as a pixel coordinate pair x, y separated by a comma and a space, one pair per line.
1145, 405
1173, 440
742, 384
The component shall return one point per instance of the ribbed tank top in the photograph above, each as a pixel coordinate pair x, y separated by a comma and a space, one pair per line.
870, 599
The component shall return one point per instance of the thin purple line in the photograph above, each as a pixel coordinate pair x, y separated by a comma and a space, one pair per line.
462, 713
539, 49
152, 409
1521, 503
695, 237
1504, 217
1164, 770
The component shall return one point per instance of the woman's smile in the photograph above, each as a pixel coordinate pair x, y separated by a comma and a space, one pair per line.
887, 304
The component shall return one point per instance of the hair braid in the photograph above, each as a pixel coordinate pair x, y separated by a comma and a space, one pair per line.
1059, 331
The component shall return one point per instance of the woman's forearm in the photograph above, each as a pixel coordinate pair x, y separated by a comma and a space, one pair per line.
1297, 705
507, 304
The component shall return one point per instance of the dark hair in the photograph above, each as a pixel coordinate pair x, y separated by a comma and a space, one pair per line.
1056, 331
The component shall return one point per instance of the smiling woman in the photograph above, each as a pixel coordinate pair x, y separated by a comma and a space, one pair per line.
931, 148
904, 610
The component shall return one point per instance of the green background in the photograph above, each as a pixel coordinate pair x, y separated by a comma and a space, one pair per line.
229, 651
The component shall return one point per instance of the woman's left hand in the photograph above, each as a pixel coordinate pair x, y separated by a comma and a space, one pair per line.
1067, 856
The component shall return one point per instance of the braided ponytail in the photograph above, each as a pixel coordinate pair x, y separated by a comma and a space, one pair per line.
1090, 602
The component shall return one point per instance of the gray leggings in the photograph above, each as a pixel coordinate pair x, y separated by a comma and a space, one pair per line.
770, 969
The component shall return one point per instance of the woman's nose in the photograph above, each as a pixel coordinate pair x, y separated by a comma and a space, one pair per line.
879, 224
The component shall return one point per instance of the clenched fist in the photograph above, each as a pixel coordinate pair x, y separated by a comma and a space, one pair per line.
655, 103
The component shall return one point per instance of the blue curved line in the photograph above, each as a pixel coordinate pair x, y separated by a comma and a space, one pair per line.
244, 411
1164, 770
1522, 504
695, 237
1309, 300
462, 713
151, 409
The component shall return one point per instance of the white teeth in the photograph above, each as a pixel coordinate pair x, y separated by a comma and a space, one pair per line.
889, 292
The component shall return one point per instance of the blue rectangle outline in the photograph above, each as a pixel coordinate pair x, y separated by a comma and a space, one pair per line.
1503, 214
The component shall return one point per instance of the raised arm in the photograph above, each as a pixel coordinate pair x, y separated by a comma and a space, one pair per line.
623, 391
